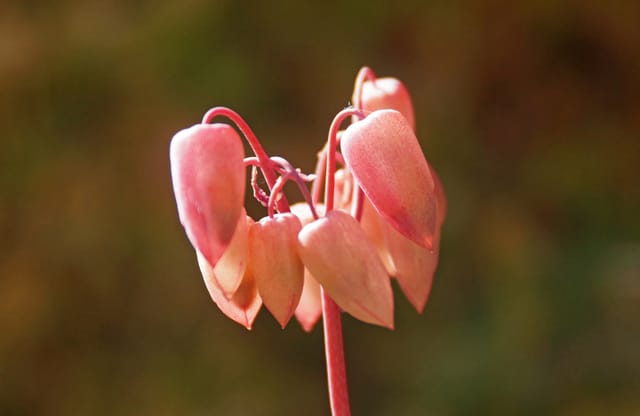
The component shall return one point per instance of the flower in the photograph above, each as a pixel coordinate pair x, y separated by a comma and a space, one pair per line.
389, 210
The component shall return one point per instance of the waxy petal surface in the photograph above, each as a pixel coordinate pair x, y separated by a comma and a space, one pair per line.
384, 156
244, 305
208, 177
276, 265
338, 254
231, 266
388, 93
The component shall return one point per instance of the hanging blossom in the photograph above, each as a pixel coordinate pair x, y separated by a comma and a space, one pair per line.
373, 212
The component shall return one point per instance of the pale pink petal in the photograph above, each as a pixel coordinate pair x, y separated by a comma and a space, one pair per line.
337, 252
309, 309
276, 265
231, 266
388, 93
208, 177
244, 305
384, 156
416, 265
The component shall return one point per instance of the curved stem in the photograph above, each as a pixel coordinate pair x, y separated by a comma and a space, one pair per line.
365, 74
331, 153
291, 173
265, 164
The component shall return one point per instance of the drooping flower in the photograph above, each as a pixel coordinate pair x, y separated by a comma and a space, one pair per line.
208, 176
384, 156
277, 268
338, 254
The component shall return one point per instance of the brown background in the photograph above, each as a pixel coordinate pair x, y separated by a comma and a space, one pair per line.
529, 111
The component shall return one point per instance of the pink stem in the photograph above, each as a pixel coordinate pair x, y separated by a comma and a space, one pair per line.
334, 352
331, 153
332, 324
264, 162
365, 74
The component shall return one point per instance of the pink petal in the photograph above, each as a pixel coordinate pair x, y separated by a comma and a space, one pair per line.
309, 309
385, 157
388, 93
415, 265
245, 304
231, 266
341, 258
208, 176
276, 266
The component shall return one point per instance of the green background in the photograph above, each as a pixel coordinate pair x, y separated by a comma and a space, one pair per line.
530, 112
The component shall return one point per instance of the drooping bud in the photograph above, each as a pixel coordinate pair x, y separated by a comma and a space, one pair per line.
385, 157
244, 305
230, 268
208, 177
276, 265
341, 258
387, 93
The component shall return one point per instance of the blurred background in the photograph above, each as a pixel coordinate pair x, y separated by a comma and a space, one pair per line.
530, 112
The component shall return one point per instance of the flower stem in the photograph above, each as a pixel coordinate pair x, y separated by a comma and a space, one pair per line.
264, 163
334, 351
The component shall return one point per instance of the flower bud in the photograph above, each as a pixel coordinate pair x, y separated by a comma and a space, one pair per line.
208, 175
385, 157
276, 265
388, 93
341, 258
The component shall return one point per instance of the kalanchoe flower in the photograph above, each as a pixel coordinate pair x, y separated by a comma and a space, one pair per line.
208, 181
382, 216
276, 266
385, 157
338, 254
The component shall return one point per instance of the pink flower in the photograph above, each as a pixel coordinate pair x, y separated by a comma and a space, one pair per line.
385, 158
389, 212
208, 181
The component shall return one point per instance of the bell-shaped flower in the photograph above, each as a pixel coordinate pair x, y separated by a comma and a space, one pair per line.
208, 177
277, 268
387, 93
339, 255
230, 268
244, 305
414, 264
384, 156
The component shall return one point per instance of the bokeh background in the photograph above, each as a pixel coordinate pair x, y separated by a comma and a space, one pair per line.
530, 112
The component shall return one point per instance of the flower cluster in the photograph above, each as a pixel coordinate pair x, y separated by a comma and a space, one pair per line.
380, 217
